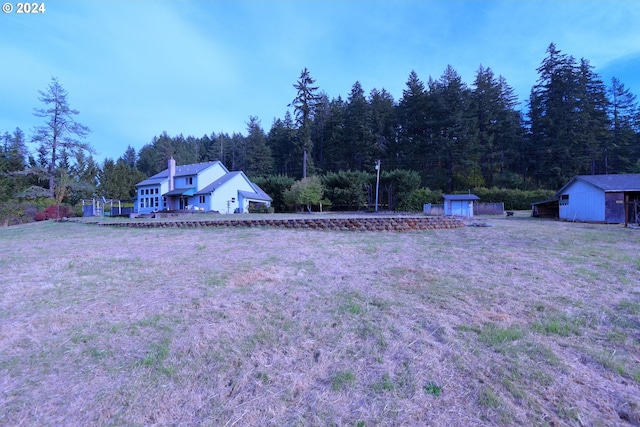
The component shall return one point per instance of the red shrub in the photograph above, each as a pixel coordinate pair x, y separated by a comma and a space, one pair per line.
51, 212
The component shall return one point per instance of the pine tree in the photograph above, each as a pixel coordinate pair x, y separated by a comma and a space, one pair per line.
621, 150
281, 140
304, 106
60, 131
413, 150
359, 139
258, 154
454, 133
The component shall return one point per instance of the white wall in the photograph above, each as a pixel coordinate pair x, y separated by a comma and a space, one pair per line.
209, 175
228, 191
586, 203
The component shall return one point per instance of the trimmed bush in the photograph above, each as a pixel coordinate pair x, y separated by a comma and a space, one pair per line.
513, 199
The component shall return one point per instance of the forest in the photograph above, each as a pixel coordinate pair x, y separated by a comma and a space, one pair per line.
442, 135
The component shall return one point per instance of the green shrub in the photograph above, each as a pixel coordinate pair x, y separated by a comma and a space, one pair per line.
275, 186
14, 212
416, 200
513, 199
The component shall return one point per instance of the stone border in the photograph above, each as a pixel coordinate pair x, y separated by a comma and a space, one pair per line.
347, 224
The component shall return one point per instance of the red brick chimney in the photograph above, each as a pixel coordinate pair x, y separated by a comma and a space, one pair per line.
172, 172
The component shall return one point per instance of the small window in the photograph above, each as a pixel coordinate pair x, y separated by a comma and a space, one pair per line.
202, 198
156, 191
190, 180
164, 202
564, 200
156, 202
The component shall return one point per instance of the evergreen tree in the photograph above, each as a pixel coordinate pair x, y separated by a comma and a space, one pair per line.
592, 122
117, 180
383, 124
622, 149
281, 141
60, 131
359, 139
258, 154
304, 105
499, 131
413, 150
129, 157
454, 136
15, 150
567, 119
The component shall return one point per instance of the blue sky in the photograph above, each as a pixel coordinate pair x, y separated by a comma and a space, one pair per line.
136, 68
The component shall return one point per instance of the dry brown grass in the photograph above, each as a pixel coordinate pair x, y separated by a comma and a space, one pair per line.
527, 322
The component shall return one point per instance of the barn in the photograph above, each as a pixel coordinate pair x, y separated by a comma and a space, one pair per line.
459, 204
600, 198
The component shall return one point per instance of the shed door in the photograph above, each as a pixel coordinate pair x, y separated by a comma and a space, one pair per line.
614, 208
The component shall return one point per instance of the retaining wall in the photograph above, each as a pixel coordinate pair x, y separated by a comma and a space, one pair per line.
350, 224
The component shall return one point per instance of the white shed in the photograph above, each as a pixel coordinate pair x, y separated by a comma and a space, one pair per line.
598, 198
459, 204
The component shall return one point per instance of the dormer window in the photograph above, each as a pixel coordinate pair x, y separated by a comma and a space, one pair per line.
189, 180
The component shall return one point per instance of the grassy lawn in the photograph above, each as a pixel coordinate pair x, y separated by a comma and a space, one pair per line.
527, 322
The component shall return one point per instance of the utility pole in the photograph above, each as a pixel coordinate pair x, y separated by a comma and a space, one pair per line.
377, 182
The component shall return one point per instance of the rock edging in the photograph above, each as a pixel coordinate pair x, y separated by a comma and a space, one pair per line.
346, 224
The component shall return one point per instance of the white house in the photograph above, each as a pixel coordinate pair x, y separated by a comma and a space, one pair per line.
598, 198
459, 204
201, 186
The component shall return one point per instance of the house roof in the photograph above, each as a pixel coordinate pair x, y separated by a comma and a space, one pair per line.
218, 182
258, 194
181, 192
607, 183
184, 170
460, 197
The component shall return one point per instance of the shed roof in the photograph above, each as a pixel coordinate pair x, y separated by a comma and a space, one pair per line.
460, 197
607, 183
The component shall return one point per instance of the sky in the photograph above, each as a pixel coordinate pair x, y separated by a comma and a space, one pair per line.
136, 68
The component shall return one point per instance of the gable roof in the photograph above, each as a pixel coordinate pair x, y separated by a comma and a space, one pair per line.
607, 183
218, 182
184, 170
460, 197
258, 193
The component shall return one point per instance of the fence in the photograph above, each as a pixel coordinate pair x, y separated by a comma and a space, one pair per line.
433, 209
488, 208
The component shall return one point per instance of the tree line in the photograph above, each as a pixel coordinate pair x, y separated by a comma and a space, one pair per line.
450, 135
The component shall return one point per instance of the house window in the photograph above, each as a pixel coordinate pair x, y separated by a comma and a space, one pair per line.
564, 200
202, 199
164, 202
156, 191
156, 202
189, 180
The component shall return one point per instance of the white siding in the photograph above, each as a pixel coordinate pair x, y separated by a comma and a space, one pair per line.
228, 191
458, 207
586, 203
209, 175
